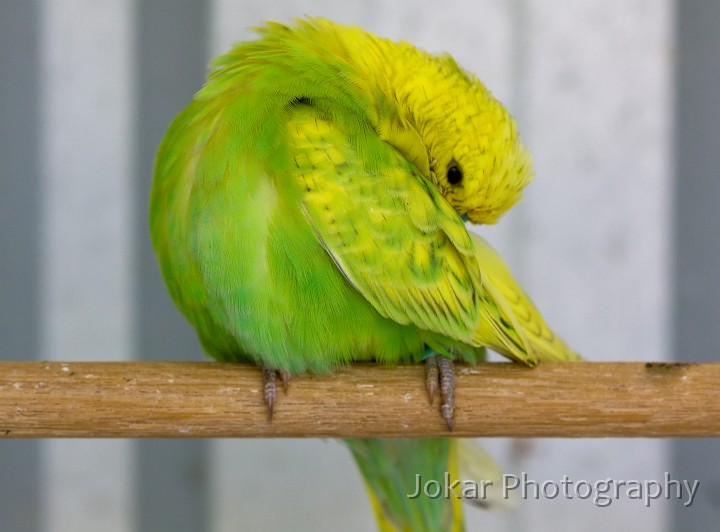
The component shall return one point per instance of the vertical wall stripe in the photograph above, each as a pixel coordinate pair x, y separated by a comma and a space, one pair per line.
697, 245
597, 119
509, 237
19, 263
170, 56
86, 229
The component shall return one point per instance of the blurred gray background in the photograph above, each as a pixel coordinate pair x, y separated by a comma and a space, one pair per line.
616, 240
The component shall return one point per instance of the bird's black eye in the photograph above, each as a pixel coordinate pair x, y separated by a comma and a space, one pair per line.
454, 174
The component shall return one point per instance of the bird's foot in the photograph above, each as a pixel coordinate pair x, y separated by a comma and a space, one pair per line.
269, 377
440, 375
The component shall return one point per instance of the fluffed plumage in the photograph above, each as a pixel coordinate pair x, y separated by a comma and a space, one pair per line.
307, 211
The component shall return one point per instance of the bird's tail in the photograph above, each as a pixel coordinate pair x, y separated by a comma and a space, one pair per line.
415, 484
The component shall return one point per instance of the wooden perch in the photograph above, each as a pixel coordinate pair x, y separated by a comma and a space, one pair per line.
148, 399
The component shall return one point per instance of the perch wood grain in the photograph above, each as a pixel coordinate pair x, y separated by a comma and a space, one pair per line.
151, 399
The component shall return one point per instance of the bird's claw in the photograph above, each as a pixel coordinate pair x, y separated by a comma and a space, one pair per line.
269, 377
431, 377
440, 374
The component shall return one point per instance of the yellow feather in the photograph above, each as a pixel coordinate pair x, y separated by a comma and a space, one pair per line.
538, 342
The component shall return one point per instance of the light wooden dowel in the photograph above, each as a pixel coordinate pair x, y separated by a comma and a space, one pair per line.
150, 399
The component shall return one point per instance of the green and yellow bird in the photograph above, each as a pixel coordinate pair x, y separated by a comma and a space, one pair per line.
308, 211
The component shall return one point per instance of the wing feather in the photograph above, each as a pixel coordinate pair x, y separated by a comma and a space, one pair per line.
541, 343
403, 247
389, 231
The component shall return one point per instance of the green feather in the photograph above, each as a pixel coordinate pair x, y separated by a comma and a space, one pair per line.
301, 222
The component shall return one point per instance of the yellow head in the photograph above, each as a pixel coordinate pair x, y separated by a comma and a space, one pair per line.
473, 151
475, 155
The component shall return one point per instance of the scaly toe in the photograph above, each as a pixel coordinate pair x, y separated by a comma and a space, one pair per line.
269, 389
269, 376
440, 374
447, 390
431, 377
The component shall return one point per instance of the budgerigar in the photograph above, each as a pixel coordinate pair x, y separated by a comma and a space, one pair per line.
308, 210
